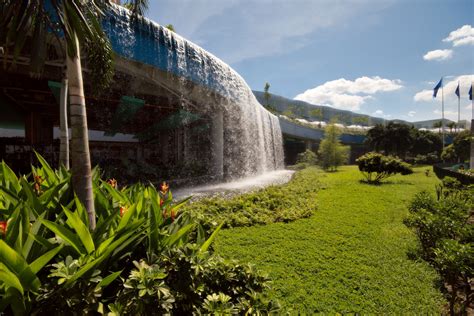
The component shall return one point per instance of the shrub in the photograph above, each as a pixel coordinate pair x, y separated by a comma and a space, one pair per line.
284, 203
376, 167
307, 158
51, 263
446, 235
427, 159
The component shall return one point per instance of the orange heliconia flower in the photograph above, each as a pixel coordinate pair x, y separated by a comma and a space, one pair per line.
164, 188
37, 185
112, 182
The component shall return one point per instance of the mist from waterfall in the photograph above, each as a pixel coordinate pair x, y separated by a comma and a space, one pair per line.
252, 137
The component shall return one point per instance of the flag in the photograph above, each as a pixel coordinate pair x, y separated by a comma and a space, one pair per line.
470, 93
439, 85
457, 91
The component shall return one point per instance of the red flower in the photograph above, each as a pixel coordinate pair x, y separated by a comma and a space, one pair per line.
173, 215
161, 202
3, 228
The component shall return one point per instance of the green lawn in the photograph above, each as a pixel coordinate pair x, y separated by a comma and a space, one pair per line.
350, 256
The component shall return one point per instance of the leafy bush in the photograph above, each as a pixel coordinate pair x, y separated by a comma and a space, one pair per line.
428, 159
376, 167
51, 263
284, 203
446, 234
307, 158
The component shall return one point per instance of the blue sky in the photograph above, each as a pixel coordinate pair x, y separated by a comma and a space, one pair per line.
379, 57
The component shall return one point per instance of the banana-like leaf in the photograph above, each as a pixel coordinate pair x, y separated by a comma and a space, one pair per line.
40, 262
81, 230
32, 199
10, 179
13, 230
30, 238
9, 195
51, 193
117, 196
112, 242
81, 211
88, 267
155, 218
9, 279
170, 241
51, 177
67, 235
205, 246
109, 279
18, 265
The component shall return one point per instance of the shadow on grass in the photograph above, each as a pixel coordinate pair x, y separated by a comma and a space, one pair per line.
381, 183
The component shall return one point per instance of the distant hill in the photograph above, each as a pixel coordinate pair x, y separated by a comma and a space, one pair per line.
305, 110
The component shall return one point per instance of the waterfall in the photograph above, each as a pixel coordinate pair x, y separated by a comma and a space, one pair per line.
252, 138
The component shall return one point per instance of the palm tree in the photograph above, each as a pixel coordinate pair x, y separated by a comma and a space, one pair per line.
451, 126
438, 124
75, 24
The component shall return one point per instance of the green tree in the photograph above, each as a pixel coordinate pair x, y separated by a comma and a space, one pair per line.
361, 120
267, 96
461, 144
170, 27
394, 139
78, 23
316, 113
331, 152
451, 126
438, 124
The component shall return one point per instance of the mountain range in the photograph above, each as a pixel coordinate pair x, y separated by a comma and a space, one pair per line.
313, 112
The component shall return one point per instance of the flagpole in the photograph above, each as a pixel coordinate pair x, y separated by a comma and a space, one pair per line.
442, 111
459, 110
471, 165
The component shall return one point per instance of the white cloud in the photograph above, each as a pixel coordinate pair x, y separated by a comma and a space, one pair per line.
348, 94
449, 88
424, 95
411, 113
439, 54
378, 112
462, 36
236, 30
450, 98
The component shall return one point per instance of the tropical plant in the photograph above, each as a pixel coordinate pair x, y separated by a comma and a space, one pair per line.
72, 25
376, 167
51, 262
331, 152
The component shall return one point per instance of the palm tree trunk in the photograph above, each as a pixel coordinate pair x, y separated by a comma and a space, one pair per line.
64, 132
81, 163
